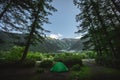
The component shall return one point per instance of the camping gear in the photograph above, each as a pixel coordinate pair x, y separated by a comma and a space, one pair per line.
59, 67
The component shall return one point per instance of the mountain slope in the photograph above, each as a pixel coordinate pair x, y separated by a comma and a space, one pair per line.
8, 40
78, 46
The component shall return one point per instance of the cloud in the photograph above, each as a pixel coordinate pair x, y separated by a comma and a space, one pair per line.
78, 37
55, 36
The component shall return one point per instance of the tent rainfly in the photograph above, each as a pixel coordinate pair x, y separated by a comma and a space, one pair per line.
59, 67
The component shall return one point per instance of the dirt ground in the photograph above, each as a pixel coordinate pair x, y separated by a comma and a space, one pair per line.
31, 74
100, 72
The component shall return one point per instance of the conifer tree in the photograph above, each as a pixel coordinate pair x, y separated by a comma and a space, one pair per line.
26, 16
99, 20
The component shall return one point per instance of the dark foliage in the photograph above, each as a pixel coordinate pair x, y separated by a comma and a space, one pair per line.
46, 64
100, 23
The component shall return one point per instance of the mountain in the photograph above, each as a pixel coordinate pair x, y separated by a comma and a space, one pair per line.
77, 46
55, 45
8, 40
68, 42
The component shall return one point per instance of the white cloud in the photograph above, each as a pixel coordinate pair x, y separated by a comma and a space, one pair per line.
78, 37
55, 36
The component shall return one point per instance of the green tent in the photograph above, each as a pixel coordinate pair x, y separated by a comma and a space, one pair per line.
59, 67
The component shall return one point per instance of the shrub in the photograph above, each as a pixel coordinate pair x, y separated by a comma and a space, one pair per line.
69, 60
46, 63
48, 56
14, 54
84, 56
73, 60
88, 54
35, 56
74, 76
84, 74
76, 67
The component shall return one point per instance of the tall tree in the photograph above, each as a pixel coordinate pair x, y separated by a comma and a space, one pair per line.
39, 14
27, 16
99, 21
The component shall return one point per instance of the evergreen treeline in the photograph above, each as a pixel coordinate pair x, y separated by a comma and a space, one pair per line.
99, 21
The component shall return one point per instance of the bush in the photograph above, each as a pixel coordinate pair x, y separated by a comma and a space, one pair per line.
73, 60
35, 56
76, 67
84, 74
69, 60
13, 55
88, 54
46, 64
74, 76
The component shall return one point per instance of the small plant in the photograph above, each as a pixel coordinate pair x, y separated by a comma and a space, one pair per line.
74, 76
76, 67
84, 74
46, 63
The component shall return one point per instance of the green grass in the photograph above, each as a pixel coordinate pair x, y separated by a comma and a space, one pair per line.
83, 74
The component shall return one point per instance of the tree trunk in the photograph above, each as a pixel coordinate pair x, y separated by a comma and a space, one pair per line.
33, 26
98, 37
28, 44
96, 41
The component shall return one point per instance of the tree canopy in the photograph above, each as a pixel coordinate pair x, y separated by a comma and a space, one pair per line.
99, 20
26, 16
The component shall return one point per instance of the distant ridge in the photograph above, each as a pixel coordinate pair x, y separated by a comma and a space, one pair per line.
8, 40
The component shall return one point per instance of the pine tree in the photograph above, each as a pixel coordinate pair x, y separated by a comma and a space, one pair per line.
99, 21
26, 16
39, 18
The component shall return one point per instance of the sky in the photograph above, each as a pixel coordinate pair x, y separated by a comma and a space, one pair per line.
63, 21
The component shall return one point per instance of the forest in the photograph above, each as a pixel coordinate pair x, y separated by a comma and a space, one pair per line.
26, 53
